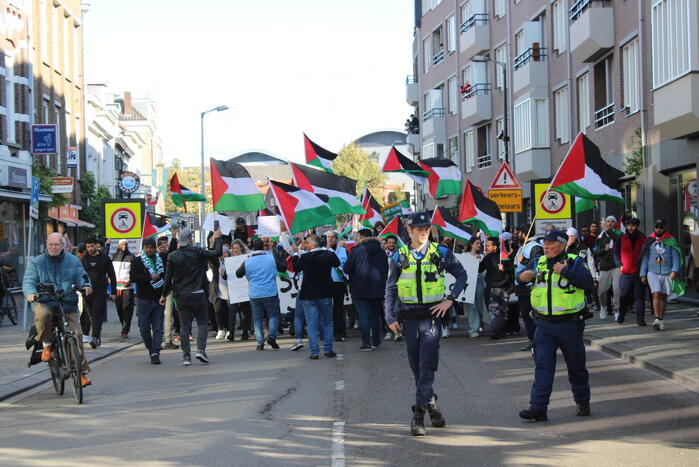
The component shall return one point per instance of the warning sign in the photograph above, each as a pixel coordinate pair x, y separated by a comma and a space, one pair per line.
551, 204
123, 218
505, 179
507, 200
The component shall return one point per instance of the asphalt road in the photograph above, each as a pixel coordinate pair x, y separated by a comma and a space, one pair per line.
280, 408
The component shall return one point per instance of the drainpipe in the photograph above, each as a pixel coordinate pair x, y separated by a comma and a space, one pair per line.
642, 99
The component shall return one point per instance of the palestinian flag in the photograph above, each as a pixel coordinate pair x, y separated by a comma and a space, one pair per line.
583, 205
448, 226
150, 226
444, 178
346, 231
341, 191
397, 162
232, 189
372, 208
478, 210
300, 209
583, 173
668, 241
396, 229
180, 193
317, 156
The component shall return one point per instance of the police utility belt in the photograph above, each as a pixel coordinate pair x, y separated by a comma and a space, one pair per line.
581, 315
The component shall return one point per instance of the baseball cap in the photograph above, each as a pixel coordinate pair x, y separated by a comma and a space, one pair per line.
556, 236
659, 223
419, 219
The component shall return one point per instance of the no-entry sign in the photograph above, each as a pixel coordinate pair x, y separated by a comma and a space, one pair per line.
123, 218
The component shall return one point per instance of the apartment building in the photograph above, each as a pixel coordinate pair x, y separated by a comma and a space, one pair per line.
516, 80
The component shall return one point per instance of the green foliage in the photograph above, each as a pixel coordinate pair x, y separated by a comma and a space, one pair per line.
396, 196
45, 176
633, 165
352, 162
191, 178
92, 197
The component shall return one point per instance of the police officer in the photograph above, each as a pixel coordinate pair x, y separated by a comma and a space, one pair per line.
416, 281
558, 303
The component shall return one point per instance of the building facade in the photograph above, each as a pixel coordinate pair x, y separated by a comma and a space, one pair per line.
516, 80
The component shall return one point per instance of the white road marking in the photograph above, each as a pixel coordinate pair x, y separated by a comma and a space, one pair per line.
340, 385
338, 454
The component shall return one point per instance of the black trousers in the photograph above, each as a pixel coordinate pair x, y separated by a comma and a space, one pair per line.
124, 305
524, 304
245, 317
221, 309
96, 307
339, 328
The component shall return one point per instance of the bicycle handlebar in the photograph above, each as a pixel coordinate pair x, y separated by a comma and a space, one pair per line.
58, 295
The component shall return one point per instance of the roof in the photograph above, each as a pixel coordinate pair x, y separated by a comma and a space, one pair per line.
382, 138
258, 157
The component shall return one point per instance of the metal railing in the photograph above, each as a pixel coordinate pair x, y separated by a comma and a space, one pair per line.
480, 88
534, 54
485, 160
604, 116
437, 112
478, 18
411, 79
580, 6
438, 57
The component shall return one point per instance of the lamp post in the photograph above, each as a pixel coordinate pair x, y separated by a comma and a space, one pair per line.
220, 108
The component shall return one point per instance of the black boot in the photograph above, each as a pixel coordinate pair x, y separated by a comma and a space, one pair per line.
583, 409
417, 424
532, 413
435, 414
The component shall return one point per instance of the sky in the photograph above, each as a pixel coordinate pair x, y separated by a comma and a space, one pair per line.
334, 69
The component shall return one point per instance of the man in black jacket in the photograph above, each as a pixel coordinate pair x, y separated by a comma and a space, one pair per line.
316, 292
184, 276
165, 247
148, 273
368, 269
498, 284
100, 269
122, 260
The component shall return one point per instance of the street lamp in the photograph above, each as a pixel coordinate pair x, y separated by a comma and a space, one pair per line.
220, 108
504, 135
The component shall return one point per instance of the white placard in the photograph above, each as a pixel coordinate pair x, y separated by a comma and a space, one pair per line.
470, 264
268, 226
225, 223
237, 288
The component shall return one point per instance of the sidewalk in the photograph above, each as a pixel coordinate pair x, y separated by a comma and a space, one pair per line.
16, 377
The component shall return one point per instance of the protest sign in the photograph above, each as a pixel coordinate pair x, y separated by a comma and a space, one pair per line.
237, 288
470, 264
268, 226
225, 223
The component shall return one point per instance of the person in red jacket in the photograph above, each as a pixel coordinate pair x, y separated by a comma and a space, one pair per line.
627, 254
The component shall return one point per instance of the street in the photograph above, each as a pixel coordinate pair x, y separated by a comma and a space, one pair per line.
280, 408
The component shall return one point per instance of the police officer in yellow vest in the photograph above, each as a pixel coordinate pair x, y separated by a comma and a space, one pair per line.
416, 283
559, 282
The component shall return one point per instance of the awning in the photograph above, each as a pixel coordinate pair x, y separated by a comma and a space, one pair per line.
22, 195
81, 223
68, 222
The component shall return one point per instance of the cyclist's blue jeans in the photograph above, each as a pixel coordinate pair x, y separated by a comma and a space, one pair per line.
151, 316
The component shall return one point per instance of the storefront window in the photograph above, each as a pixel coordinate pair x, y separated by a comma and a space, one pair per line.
680, 191
12, 237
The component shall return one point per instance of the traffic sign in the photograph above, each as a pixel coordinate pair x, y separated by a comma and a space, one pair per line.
123, 219
507, 200
44, 139
551, 204
505, 179
34, 203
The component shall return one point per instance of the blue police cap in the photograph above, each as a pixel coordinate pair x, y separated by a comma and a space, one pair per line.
556, 236
419, 219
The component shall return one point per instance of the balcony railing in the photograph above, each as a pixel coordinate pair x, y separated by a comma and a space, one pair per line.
411, 79
534, 54
604, 116
485, 160
437, 112
581, 5
475, 89
438, 57
478, 18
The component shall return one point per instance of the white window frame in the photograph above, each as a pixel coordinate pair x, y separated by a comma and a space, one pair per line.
427, 53
631, 76
500, 56
453, 155
671, 40
499, 127
10, 96
584, 113
453, 94
44, 32
562, 113
66, 56
76, 55
530, 124
559, 17
54, 37
500, 9
451, 34
428, 151
466, 11
469, 149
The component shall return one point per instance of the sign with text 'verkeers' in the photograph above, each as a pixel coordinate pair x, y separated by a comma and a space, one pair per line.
507, 200
123, 219
44, 139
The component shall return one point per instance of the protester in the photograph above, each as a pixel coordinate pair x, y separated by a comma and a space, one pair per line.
316, 292
101, 272
498, 283
391, 243
124, 288
577, 247
590, 238
241, 308
172, 322
243, 232
367, 269
477, 313
218, 295
609, 272
627, 253
338, 287
527, 252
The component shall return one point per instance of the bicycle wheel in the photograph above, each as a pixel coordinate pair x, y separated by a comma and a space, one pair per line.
75, 367
11, 309
59, 384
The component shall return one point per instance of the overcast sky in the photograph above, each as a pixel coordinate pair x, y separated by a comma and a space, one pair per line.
332, 68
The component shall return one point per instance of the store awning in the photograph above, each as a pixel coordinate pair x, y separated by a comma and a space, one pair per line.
68, 222
81, 223
22, 195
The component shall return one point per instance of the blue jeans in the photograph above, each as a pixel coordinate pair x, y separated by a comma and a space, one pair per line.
369, 312
151, 316
422, 342
319, 310
476, 311
299, 319
265, 306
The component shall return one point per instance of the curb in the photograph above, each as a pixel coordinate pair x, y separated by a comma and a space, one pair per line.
689, 383
46, 380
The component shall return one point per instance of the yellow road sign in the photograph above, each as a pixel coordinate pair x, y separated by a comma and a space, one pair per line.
123, 219
507, 200
555, 205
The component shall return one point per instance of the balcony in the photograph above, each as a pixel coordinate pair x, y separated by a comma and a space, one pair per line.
475, 106
533, 163
412, 90
604, 116
530, 70
438, 57
434, 124
475, 35
676, 107
591, 29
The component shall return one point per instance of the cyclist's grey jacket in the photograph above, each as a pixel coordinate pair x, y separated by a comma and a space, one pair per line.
62, 271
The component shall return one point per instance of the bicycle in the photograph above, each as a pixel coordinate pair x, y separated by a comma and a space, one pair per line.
8, 306
65, 357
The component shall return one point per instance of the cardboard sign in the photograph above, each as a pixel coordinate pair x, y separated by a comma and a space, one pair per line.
470, 264
268, 226
237, 287
225, 223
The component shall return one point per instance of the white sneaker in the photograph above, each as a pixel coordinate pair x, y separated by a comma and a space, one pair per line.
473, 334
356, 326
445, 332
398, 337
220, 335
86, 339
455, 325
603, 314
228, 334
656, 324
662, 325
616, 316
389, 336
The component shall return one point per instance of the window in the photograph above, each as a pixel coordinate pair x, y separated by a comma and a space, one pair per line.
671, 43
427, 53
428, 151
630, 76
541, 123
10, 99
45, 110
519, 43
499, 130
604, 92
451, 34
44, 31
530, 124
454, 149
560, 103
470, 149
467, 75
54, 36
66, 55
500, 8
437, 46
500, 56
583, 103
560, 22
483, 146
76, 55
466, 11
453, 90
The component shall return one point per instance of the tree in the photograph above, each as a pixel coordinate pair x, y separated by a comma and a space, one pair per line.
354, 163
92, 197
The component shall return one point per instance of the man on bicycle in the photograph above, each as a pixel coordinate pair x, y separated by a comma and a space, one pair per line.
61, 270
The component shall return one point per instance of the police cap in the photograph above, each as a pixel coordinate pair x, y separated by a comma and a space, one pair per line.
556, 236
419, 219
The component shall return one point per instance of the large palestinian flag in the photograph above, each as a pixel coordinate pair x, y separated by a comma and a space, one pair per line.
478, 210
444, 178
300, 209
583, 173
180, 193
232, 188
396, 229
341, 191
397, 162
317, 156
448, 226
373, 210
